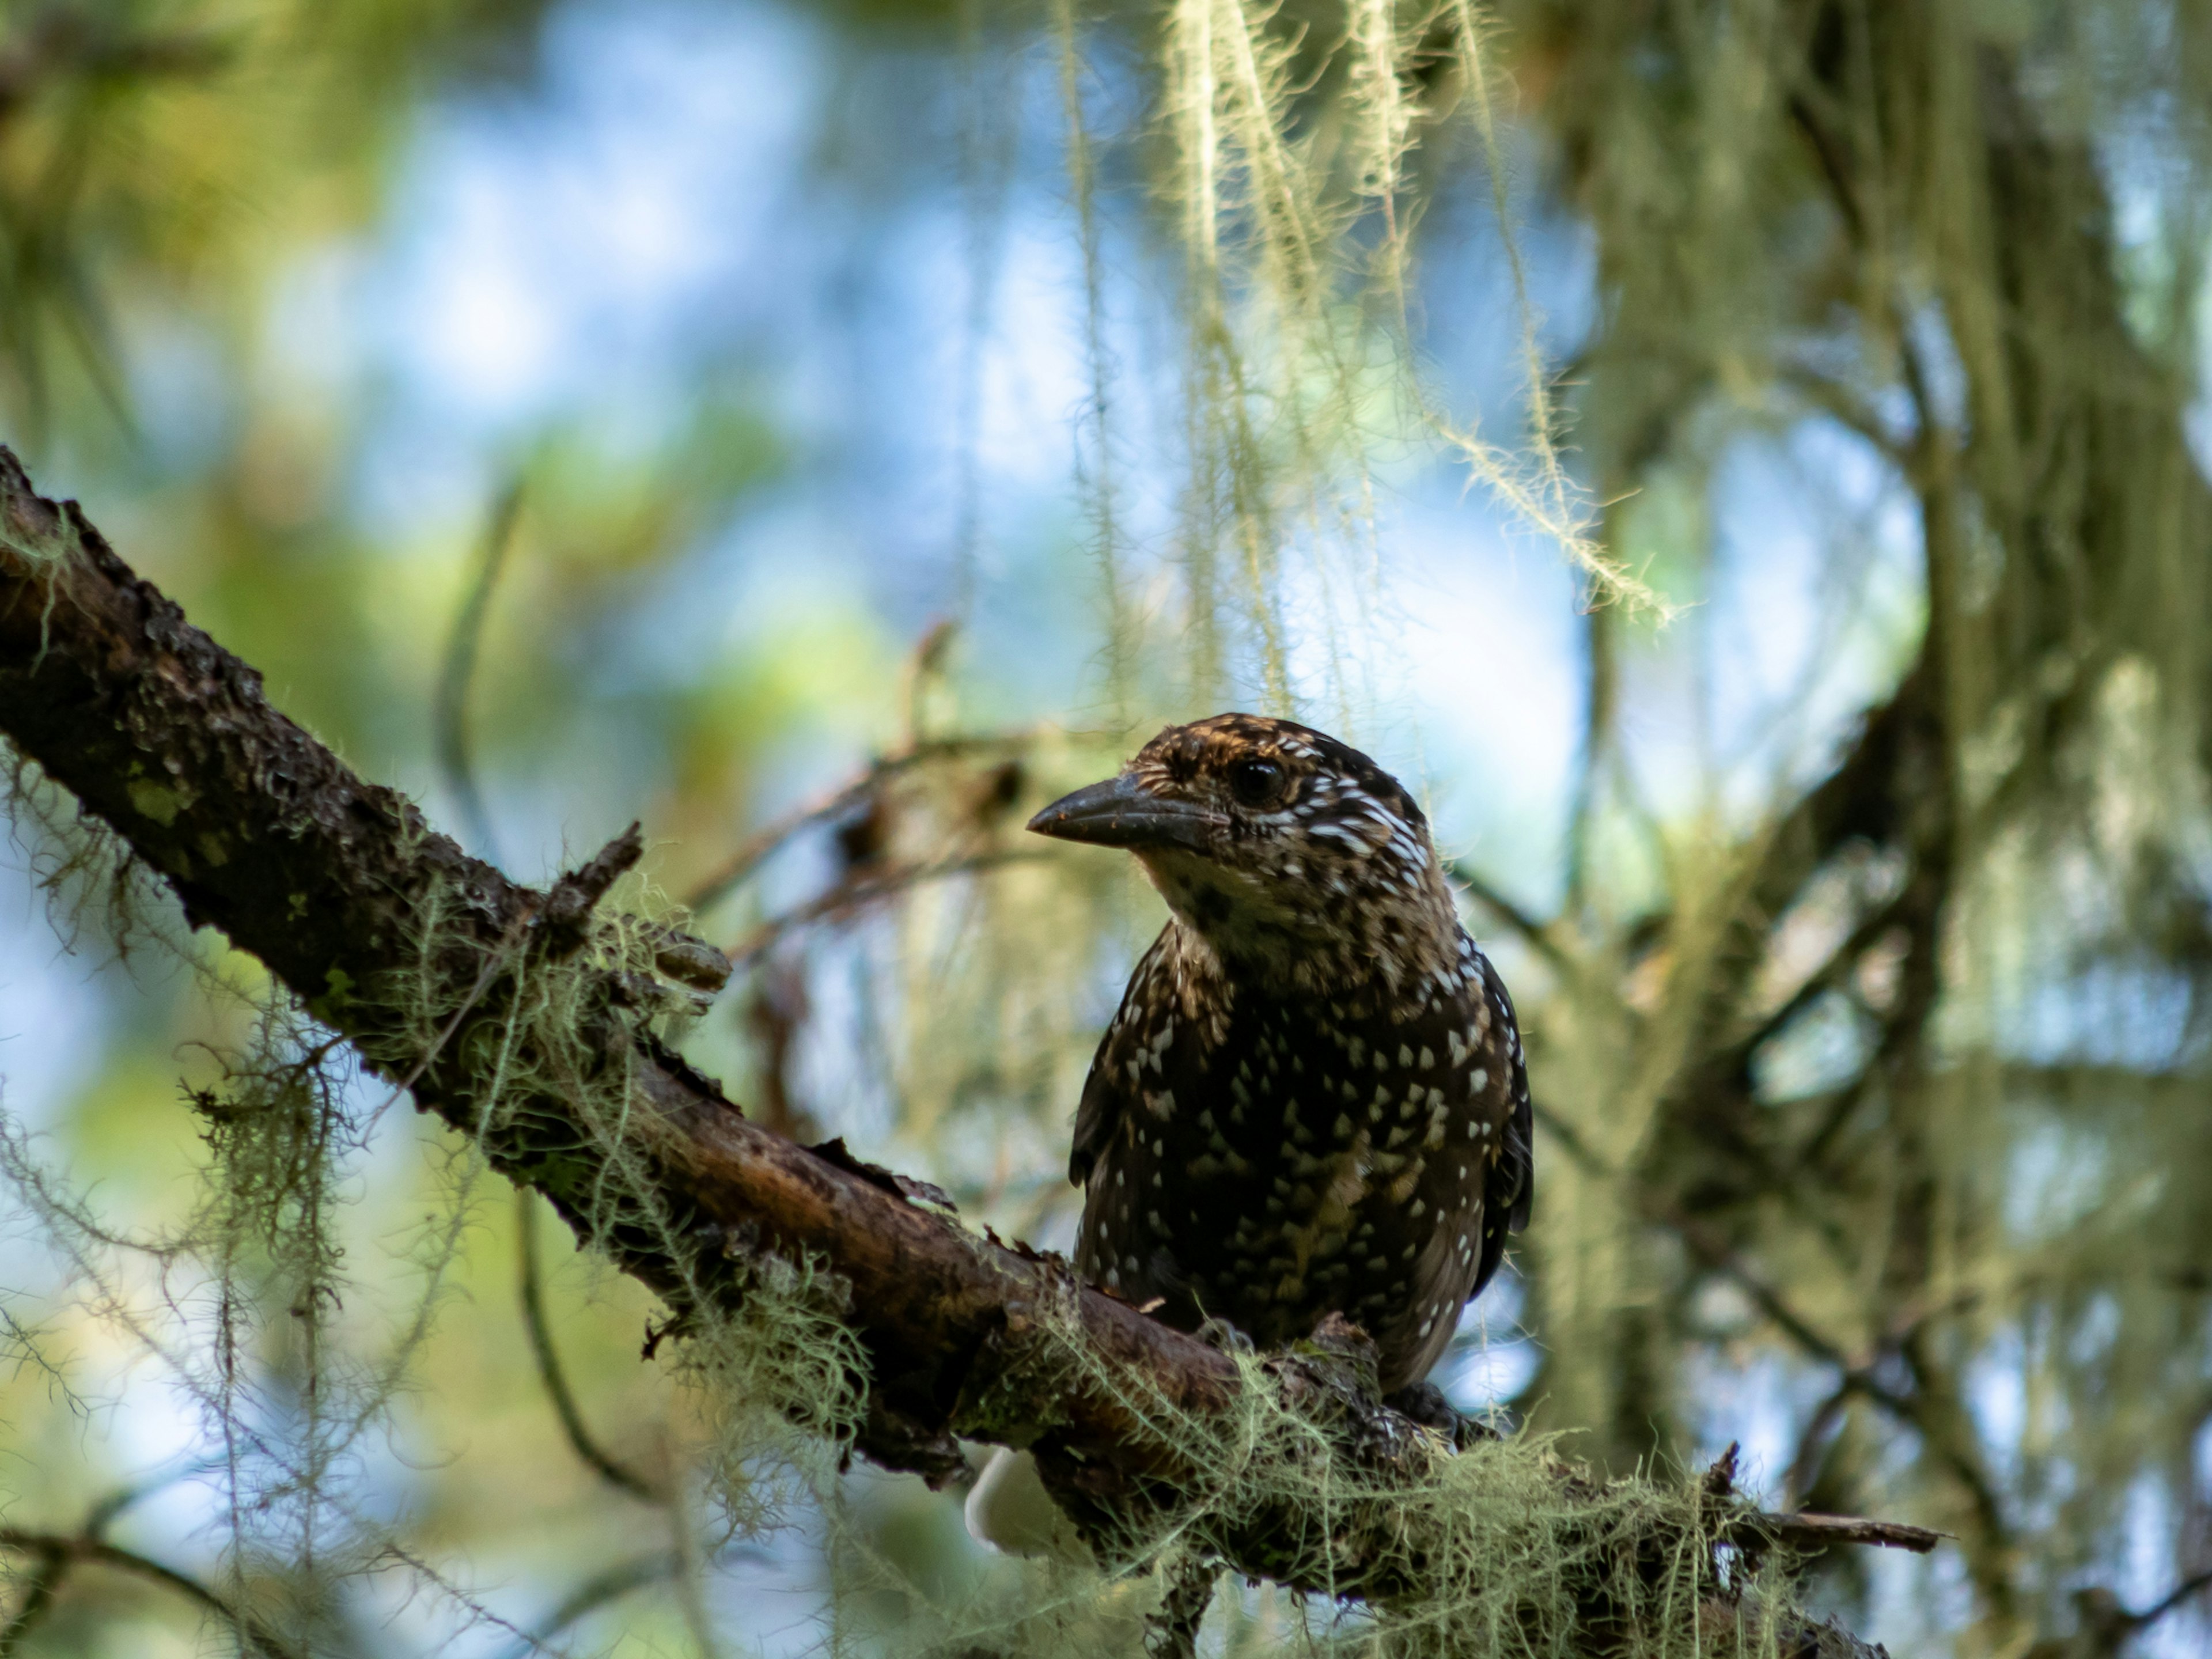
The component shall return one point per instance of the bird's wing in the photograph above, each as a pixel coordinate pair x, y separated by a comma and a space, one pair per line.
1511, 1184
1112, 1085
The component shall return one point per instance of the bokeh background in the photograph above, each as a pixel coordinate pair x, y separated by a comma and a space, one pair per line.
1741, 463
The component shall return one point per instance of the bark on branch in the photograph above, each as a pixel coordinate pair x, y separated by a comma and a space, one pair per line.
333, 881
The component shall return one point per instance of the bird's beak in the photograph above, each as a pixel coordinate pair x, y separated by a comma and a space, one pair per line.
1122, 813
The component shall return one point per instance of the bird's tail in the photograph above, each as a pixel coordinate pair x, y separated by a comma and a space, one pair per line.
1010, 1509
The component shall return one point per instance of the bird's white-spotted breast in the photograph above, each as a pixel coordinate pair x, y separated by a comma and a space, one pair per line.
1312, 1099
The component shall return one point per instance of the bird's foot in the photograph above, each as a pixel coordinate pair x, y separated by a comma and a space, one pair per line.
1425, 1403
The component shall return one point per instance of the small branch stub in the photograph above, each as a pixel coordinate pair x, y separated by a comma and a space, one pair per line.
567, 913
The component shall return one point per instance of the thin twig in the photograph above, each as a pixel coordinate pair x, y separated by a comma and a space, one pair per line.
1830, 975
1812, 1444
46, 1579
456, 754
103, 1514
1570, 1138
1806, 1530
756, 847
81, 1550
595, 1592
1532, 932
1923, 1409
549, 1362
44, 1584
1836, 401
849, 896
2139, 1622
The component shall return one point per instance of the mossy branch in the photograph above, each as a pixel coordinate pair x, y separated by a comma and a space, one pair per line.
344, 892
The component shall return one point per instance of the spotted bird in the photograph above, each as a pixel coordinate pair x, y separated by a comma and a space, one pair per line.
1313, 1098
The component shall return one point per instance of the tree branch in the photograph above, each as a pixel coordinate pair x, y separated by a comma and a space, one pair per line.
532, 1291
340, 887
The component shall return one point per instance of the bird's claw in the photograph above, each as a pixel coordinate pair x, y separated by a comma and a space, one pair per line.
1425, 1403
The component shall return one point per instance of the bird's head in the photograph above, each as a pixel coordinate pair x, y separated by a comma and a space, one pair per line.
1290, 853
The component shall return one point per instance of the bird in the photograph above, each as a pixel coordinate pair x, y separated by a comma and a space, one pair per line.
1313, 1098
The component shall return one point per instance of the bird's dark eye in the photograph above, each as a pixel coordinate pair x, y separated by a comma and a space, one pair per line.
1255, 782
